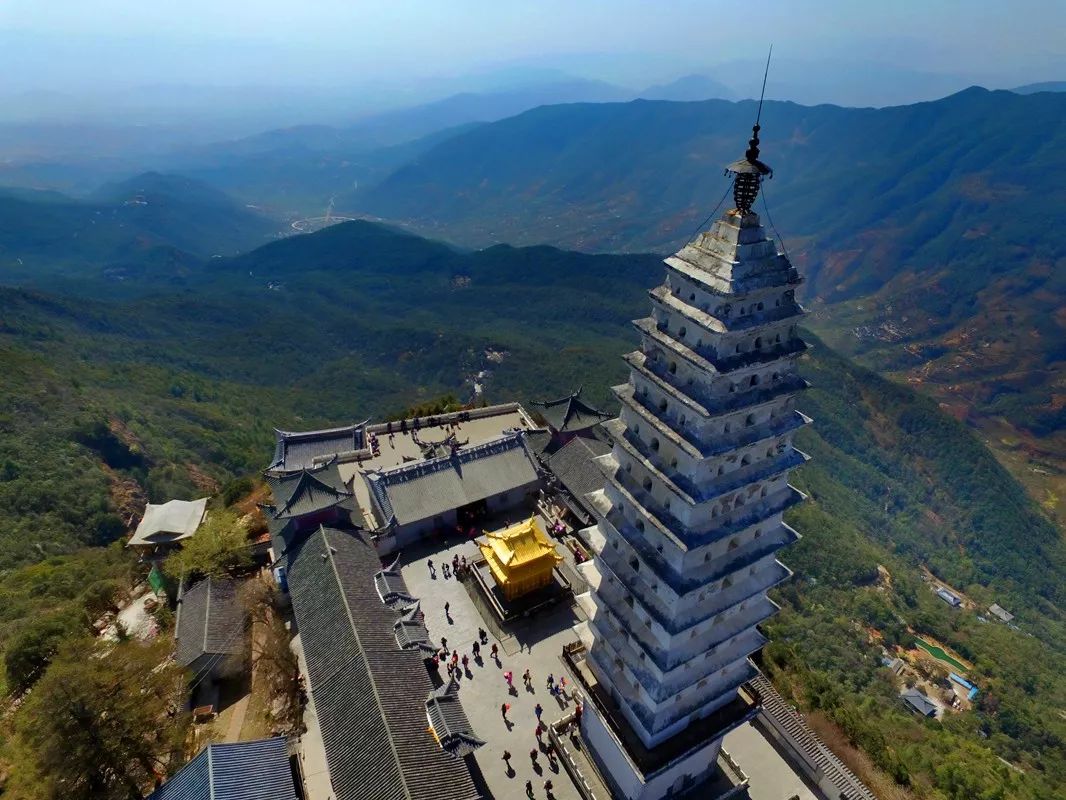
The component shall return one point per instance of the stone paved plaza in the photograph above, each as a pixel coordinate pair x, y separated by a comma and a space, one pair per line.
535, 645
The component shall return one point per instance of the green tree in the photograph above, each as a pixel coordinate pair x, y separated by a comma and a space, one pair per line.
101, 596
219, 547
32, 648
102, 728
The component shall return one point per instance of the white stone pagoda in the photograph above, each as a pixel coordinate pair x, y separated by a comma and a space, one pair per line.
691, 516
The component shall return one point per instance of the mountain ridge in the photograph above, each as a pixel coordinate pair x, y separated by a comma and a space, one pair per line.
917, 226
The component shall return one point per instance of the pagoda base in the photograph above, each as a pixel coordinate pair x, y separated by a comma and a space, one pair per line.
687, 762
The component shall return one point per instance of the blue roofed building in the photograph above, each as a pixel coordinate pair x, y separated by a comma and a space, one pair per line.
239, 771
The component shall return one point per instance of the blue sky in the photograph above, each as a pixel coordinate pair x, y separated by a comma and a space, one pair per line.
405, 51
106, 44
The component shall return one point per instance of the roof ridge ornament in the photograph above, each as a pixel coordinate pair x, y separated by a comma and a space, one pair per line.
749, 171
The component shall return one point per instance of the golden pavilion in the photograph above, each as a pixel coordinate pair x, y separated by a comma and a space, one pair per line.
521, 557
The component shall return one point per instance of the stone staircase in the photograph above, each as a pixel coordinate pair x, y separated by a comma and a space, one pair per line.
825, 769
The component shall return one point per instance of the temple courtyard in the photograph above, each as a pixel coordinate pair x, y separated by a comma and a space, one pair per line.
536, 644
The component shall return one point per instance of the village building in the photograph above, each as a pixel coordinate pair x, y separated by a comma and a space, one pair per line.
1000, 613
521, 558
949, 597
209, 629
691, 515
238, 771
164, 527
919, 703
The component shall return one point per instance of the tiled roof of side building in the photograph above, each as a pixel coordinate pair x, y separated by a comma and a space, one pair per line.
424, 489
449, 721
572, 464
306, 491
369, 694
210, 615
570, 413
539, 439
240, 771
303, 449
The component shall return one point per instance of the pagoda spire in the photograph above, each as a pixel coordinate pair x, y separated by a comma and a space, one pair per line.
748, 172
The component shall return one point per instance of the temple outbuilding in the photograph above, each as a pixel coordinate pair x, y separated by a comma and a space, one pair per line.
164, 527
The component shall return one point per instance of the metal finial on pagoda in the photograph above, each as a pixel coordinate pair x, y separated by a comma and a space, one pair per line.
748, 172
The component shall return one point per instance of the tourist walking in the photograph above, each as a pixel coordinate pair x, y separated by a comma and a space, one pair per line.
551, 683
444, 569
538, 710
432, 571
476, 649
484, 637
509, 677
529, 788
527, 677
444, 645
448, 610
503, 709
495, 652
533, 756
466, 662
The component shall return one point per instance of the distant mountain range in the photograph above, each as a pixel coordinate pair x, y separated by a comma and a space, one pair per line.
297, 169
161, 224
927, 232
1043, 86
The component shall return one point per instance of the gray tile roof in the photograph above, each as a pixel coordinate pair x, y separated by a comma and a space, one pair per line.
392, 589
240, 771
570, 413
299, 450
539, 439
210, 619
307, 491
572, 464
919, 702
449, 722
424, 489
369, 694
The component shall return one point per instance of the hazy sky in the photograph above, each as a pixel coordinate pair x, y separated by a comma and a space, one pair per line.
68, 43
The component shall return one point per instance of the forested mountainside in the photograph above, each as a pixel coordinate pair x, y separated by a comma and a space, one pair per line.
928, 233
176, 392
152, 223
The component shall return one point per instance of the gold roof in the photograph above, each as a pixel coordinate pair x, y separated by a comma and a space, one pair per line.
520, 545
